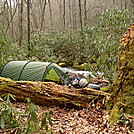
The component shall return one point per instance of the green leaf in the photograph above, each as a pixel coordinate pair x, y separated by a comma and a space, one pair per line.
46, 128
50, 121
43, 122
2, 123
1, 99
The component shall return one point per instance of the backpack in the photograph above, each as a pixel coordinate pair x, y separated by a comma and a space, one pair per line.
80, 82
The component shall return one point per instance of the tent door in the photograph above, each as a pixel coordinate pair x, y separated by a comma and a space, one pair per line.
52, 76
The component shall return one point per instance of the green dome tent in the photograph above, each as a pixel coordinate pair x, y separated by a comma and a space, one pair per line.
33, 71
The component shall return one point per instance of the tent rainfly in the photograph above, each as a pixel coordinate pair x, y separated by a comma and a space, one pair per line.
33, 71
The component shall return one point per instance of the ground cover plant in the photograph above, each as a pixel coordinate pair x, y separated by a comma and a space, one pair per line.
20, 121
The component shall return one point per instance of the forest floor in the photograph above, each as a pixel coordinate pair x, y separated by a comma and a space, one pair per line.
85, 121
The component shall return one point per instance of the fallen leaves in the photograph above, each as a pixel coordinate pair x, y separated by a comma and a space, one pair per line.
85, 121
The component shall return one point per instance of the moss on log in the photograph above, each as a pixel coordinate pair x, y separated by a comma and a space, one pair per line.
49, 93
122, 98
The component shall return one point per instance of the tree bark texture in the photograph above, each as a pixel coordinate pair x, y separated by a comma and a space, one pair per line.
122, 99
28, 25
51, 16
51, 94
80, 14
21, 24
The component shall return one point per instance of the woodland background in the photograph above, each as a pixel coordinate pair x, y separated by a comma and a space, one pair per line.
74, 32
84, 34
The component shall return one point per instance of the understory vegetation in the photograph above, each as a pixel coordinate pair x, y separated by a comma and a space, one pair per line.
96, 47
23, 121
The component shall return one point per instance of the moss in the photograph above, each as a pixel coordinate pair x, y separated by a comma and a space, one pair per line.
63, 99
116, 112
77, 104
106, 89
122, 97
2, 79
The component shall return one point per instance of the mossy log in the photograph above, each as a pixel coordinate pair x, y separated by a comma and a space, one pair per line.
122, 98
49, 93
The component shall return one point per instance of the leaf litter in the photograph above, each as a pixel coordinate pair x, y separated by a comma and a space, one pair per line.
84, 121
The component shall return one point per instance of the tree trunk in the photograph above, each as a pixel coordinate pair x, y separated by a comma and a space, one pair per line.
51, 16
28, 25
85, 12
74, 14
122, 99
21, 24
43, 14
70, 15
64, 14
80, 14
49, 93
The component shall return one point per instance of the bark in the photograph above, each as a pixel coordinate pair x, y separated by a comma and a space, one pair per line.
60, 11
122, 99
49, 93
80, 14
64, 14
43, 14
51, 16
85, 12
70, 15
28, 25
21, 24
74, 15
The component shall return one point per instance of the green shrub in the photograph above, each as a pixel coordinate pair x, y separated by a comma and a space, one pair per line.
22, 123
105, 37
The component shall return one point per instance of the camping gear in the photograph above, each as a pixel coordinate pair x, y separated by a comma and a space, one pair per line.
33, 71
80, 82
94, 86
69, 80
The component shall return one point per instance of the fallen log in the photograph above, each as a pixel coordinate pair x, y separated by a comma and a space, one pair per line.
50, 93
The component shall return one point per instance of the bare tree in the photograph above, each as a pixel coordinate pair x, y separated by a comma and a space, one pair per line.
60, 11
34, 15
70, 17
85, 12
51, 16
10, 13
21, 24
80, 14
43, 13
64, 13
28, 25
74, 14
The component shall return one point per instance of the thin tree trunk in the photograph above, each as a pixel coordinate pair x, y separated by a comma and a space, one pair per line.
34, 17
11, 13
60, 13
70, 17
85, 12
80, 14
51, 16
64, 14
43, 14
28, 24
21, 24
125, 4
74, 14
10, 18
